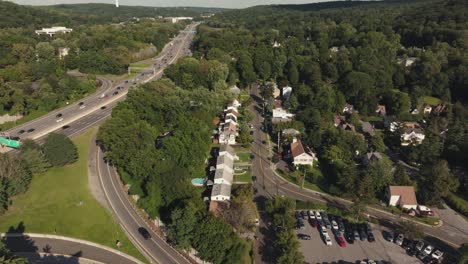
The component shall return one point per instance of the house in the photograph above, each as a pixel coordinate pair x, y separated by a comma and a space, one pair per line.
53, 30
276, 91
221, 192
367, 128
440, 108
231, 119
231, 112
225, 162
287, 90
415, 111
174, 20
236, 103
381, 110
402, 196
234, 90
223, 176
282, 114
411, 134
338, 120
371, 157
301, 155
291, 132
228, 151
62, 52
227, 137
347, 126
427, 109
348, 109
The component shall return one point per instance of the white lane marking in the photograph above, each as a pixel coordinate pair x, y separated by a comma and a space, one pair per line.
142, 248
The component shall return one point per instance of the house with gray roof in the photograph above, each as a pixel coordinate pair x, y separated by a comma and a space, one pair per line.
221, 192
223, 176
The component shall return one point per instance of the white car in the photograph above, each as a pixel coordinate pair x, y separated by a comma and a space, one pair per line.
82, 106
428, 249
311, 215
328, 240
318, 215
323, 229
334, 225
399, 239
437, 254
370, 261
59, 120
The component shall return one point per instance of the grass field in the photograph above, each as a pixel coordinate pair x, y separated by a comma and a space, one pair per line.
246, 177
307, 184
430, 100
59, 202
244, 157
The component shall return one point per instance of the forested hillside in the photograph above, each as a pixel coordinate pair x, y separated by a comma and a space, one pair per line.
33, 67
341, 53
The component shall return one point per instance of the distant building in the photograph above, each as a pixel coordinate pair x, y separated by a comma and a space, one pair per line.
301, 155
177, 19
427, 109
228, 151
407, 62
411, 134
291, 132
53, 30
402, 196
63, 52
276, 44
225, 162
367, 128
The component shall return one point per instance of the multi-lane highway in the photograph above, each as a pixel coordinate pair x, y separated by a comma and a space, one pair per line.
97, 108
106, 96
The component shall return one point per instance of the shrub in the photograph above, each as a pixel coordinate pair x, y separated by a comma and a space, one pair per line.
59, 150
457, 203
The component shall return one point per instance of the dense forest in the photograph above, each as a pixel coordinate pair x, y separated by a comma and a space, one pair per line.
356, 55
33, 68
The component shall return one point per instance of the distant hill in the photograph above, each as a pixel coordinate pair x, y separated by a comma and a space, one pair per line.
110, 12
13, 15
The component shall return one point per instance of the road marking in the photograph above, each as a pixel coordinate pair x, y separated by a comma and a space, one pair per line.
132, 216
142, 248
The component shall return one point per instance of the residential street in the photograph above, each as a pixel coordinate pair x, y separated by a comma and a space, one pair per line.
268, 184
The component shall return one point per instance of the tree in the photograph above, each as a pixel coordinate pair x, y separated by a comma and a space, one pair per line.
357, 209
439, 182
7, 257
35, 160
59, 150
14, 174
183, 223
400, 177
377, 143
411, 230
381, 173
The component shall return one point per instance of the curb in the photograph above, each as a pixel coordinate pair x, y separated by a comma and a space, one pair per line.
85, 242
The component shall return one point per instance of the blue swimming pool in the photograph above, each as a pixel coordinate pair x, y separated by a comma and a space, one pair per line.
198, 181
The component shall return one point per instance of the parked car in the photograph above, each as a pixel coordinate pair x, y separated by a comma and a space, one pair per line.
341, 226
304, 215
311, 214
390, 236
326, 220
323, 229
399, 239
362, 234
419, 245
334, 225
356, 235
341, 241
370, 237
313, 222
318, 215
303, 236
428, 249
300, 224
407, 244
437, 254
328, 240
297, 215
422, 255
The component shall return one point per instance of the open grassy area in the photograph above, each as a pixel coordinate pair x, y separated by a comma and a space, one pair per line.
307, 184
430, 100
244, 157
245, 177
59, 202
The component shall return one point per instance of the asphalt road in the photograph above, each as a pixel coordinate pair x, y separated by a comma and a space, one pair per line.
107, 94
63, 247
77, 121
268, 185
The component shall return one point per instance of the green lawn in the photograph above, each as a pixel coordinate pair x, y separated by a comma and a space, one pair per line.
244, 157
430, 100
60, 200
307, 184
246, 177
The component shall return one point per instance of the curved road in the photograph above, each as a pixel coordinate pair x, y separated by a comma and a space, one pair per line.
268, 185
178, 47
68, 247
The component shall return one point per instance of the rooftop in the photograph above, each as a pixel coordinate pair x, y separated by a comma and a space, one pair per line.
221, 189
224, 174
406, 193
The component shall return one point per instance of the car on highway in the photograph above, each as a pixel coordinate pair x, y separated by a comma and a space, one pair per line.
303, 237
103, 96
65, 127
58, 115
144, 233
103, 107
31, 130
115, 93
341, 241
59, 120
21, 131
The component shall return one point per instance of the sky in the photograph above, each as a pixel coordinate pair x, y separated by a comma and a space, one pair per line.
204, 3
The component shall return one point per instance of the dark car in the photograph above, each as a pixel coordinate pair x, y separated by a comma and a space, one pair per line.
103, 107
126, 81
297, 215
303, 236
15, 138
362, 234
81, 103
65, 127
21, 131
115, 93
31, 130
144, 233
304, 215
370, 237
59, 115
254, 178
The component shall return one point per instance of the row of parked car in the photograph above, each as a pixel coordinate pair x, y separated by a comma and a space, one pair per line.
341, 228
425, 252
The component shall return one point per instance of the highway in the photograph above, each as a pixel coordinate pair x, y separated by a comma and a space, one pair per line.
107, 95
96, 110
269, 185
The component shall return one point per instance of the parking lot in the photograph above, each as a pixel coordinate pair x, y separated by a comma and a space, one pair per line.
316, 251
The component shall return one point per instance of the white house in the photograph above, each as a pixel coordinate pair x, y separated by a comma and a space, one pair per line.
53, 30
402, 196
227, 137
225, 162
287, 90
223, 176
427, 109
177, 19
281, 113
301, 155
221, 192
412, 134
348, 108
228, 151
236, 103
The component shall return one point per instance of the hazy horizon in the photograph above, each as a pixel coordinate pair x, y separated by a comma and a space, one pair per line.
169, 3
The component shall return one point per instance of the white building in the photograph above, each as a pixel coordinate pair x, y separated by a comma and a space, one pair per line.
412, 134
221, 192
301, 155
282, 114
53, 30
228, 151
225, 162
223, 176
177, 19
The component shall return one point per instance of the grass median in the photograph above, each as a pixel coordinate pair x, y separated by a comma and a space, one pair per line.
60, 202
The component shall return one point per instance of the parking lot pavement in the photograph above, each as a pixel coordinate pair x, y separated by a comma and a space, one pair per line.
315, 250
